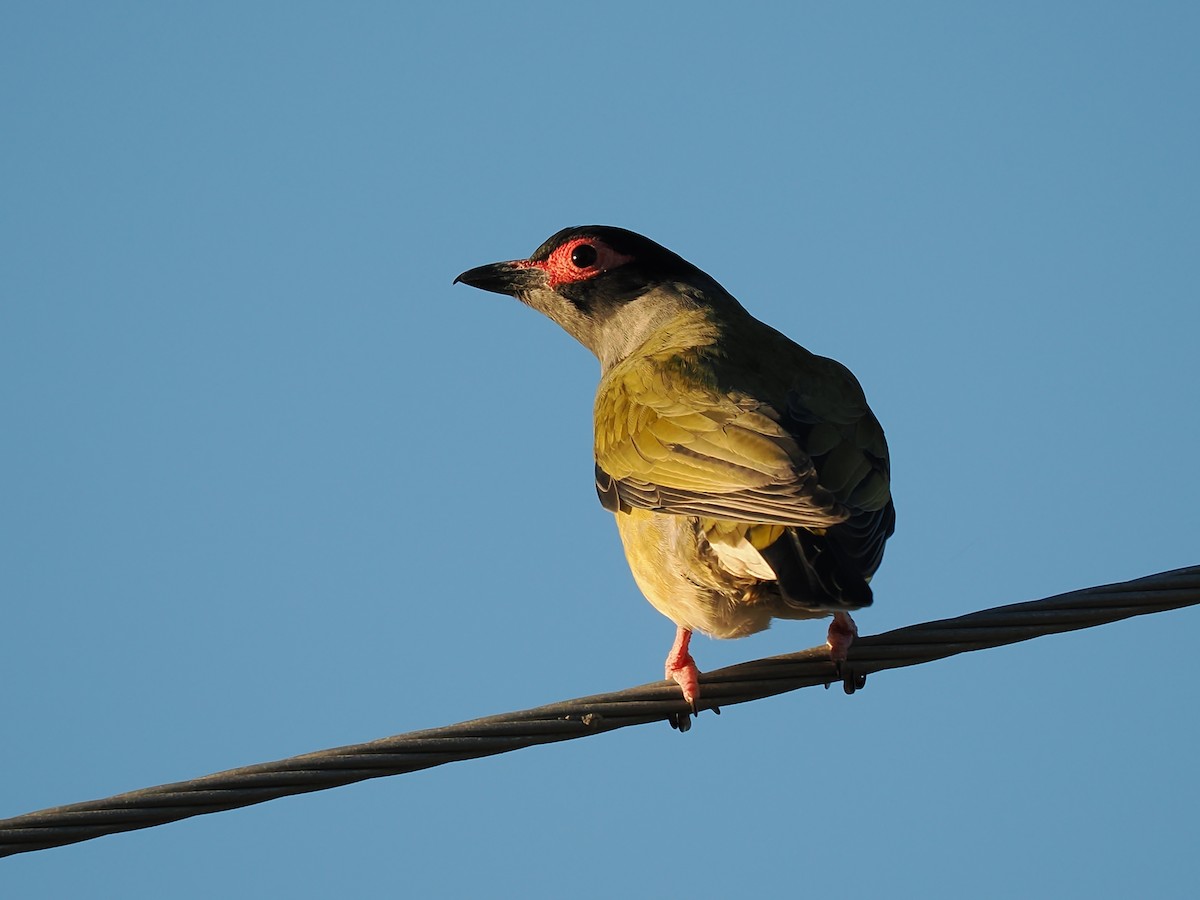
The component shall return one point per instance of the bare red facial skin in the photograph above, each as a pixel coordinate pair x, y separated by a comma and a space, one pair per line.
561, 270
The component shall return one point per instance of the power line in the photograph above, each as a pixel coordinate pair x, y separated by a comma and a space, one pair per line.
585, 716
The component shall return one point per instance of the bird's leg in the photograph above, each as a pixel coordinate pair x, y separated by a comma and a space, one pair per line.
842, 632
681, 668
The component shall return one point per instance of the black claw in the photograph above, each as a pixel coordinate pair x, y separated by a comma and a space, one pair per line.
681, 722
852, 682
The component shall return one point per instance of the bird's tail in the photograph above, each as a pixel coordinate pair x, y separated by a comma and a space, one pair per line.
813, 575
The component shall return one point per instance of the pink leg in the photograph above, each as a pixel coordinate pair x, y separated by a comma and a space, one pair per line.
681, 668
842, 632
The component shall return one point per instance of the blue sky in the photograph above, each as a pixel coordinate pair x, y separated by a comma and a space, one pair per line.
271, 484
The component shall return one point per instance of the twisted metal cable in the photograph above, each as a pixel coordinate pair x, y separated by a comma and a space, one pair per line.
585, 716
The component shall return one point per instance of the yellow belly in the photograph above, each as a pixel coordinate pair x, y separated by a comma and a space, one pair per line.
681, 577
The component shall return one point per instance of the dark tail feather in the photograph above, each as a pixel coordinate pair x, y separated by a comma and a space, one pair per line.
812, 574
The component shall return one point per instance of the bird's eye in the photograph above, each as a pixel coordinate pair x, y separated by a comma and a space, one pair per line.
583, 256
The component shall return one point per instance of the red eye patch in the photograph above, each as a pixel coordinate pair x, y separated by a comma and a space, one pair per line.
563, 266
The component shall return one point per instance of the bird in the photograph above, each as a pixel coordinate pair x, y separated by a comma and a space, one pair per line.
748, 477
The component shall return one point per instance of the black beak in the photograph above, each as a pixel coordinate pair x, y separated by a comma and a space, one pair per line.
504, 277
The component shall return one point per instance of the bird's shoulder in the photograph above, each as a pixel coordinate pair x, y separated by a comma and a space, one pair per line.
673, 391
672, 434
714, 407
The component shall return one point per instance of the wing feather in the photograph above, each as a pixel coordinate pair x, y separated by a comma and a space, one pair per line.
793, 445
673, 444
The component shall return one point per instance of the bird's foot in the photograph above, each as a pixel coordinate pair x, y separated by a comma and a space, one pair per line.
681, 668
842, 632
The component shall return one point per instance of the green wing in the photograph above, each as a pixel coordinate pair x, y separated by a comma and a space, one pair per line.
799, 449
671, 442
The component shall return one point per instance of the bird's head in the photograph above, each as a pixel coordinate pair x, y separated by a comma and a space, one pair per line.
608, 287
